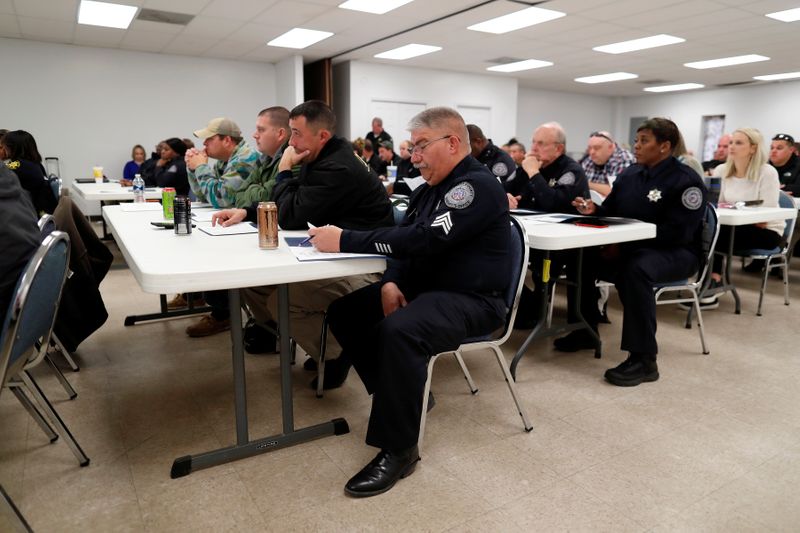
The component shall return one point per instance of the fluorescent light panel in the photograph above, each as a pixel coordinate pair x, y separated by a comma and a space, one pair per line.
299, 38
774, 77
377, 7
790, 15
727, 61
604, 78
516, 66
104, 14
514, 21
408, 51
677, 87
639, 44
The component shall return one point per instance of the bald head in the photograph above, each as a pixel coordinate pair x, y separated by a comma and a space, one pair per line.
549, 142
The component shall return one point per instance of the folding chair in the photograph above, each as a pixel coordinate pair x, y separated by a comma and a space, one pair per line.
519, 265
26, 330
701, 281
13, 517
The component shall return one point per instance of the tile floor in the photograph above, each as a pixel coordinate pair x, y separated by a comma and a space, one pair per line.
712, 446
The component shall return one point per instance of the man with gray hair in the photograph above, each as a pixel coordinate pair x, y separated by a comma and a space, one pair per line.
448, 268
377, 134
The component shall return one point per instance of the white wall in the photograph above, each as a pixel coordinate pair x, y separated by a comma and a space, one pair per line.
290, 89
772, 108
579, 114
431, 88
89, 106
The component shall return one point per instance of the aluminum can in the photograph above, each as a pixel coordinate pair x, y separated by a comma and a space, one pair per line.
267, 225
182, 209
167, 202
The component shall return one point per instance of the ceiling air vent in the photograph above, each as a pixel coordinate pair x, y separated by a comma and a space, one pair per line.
736, 83
654, 82
167, 17
503, 60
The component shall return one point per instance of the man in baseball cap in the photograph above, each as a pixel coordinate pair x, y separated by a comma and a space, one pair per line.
786, 162
219, 126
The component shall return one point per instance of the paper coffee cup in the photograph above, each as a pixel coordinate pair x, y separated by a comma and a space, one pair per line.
391, 172
97, 172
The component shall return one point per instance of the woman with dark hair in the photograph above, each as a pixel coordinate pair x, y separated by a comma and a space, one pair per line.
661, 190
25, 161
138, 155
170, 170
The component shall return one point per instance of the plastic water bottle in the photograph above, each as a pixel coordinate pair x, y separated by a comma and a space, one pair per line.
138, 189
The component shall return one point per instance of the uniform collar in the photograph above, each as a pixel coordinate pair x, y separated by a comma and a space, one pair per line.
659, 168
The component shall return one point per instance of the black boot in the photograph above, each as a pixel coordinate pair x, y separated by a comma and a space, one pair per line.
579, 339
336, 371
258, 339
383, 472
636, 369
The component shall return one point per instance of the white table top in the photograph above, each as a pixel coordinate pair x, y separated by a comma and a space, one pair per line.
163, 262
545, 236
111, 191
753, 215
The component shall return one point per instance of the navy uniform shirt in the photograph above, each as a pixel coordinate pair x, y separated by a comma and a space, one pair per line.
669, 195
455, 236
789, 174
498, 162
553, 188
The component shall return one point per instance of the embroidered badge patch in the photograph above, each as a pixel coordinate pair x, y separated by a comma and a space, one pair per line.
13, 165
654, 195
567, 179
443, 221
460, 196
692, 198
500, 169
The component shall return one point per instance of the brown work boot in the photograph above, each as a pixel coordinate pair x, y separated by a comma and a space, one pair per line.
208, 325
179, 302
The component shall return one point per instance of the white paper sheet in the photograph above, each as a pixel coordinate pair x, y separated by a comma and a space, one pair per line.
236, 229
141, 206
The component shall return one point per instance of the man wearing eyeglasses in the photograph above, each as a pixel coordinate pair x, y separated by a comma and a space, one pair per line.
604, 161
448, 268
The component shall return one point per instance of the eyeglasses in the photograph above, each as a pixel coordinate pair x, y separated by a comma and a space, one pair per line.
419, 148
601, 135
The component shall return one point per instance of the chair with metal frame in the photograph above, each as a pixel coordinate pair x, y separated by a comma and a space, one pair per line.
10, 515
780, 254
519, 264
25, 333
701, 280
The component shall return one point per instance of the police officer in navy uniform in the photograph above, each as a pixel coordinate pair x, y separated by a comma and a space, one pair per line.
496, 160
786, 162
448, 267
661, 190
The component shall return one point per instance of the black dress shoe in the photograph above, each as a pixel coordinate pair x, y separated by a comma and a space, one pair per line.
634, 370
575, 341
258, 339
310, 365
383, 472
336, 371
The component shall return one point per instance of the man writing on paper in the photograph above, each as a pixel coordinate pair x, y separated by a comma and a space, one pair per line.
444, 283
334, 187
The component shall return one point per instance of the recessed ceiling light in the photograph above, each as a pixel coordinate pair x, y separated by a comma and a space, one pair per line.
727, 61
514, 21
104, 14
603, 78
677, 87
774, 77
299, 38
639, 44
378, 7
790, 15
516, 66
408, 51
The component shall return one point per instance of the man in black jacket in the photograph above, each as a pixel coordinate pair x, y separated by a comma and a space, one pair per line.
334, 187
496, 160
449, 267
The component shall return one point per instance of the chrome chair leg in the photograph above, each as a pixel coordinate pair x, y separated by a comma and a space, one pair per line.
64, 353
467, 376
323, 344
15, 519
425, 395
61, 428
696, 304
61, 378
16, 388
512, 387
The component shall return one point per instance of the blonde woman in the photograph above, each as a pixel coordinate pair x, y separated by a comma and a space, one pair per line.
747, 176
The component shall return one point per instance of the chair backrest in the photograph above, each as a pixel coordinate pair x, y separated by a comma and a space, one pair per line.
709, 240
784, 200
47, 225
399, 208
33, 308
518, 250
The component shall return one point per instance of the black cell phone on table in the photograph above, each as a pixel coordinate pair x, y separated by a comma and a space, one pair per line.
749, 203
167, 225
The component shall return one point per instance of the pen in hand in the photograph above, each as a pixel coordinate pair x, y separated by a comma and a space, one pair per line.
307, 239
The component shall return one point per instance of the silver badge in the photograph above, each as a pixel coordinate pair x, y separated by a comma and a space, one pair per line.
654, 195
692, 198
500, 169
567, 179
460, 196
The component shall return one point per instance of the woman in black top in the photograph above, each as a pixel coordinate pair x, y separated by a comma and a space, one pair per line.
25, 161
170, 170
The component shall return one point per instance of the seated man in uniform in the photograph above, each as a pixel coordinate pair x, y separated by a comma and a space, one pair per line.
496, 160
333, 187
444, 283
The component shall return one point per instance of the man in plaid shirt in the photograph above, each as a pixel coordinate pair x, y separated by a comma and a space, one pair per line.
604, 162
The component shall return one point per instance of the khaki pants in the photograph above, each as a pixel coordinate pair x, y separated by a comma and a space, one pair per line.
308, 303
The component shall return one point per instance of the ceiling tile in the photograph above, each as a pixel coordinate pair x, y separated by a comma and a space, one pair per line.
211, 27
148, 41
62, 10
155, 27
46, 30
97, 36
189, 7
9, 27
236, 9
189, 45
291, 14
7, 6
226, 49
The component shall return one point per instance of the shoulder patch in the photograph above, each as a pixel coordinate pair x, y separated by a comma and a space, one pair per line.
13, 165
692, 198
499, 169
460, 196
566, 179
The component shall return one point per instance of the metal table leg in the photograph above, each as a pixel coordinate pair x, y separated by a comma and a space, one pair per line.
130, 320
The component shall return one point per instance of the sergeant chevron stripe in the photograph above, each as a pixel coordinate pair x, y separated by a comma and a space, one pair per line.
443, 221
384, 248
